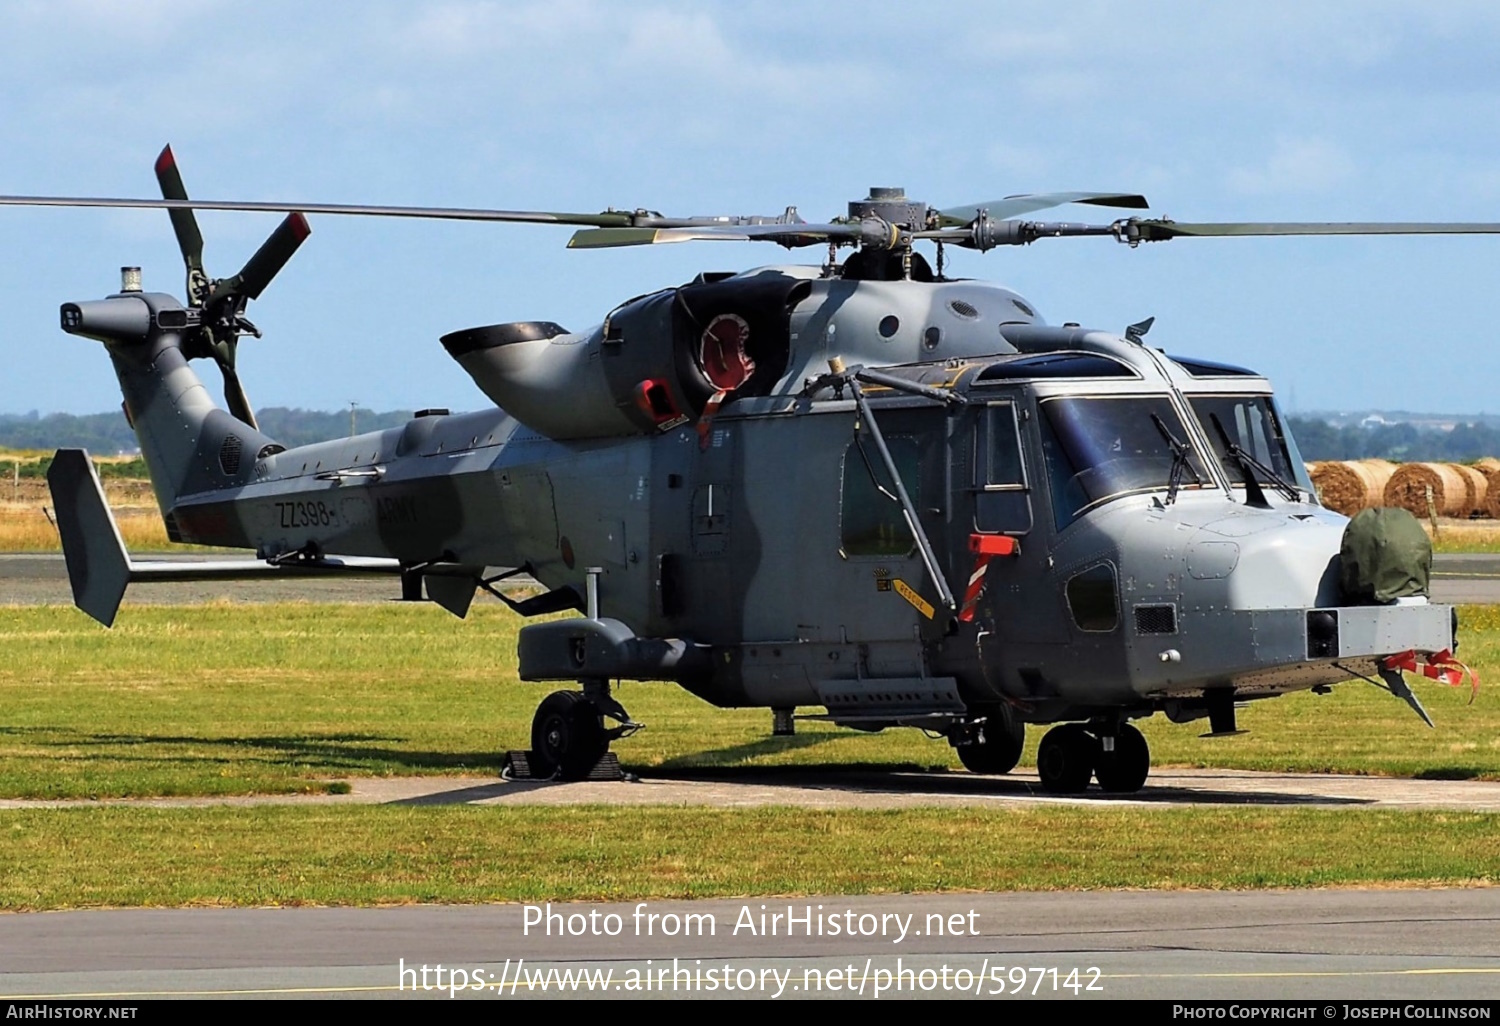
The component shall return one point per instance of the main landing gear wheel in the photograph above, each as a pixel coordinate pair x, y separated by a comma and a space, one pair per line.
1066, 759
567, 736
1124, 770
999, 747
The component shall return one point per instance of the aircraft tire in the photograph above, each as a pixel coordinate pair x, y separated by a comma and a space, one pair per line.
1004, 737
567, 736
1065, 761
1124, 770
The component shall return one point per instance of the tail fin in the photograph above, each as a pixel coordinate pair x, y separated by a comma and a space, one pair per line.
98, 567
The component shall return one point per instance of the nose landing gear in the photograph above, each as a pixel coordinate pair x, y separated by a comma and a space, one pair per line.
1070, 754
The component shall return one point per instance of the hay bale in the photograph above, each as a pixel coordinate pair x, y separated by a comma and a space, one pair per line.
1491, 506
1478, 488
1408, 487
1349, 486
1490, 468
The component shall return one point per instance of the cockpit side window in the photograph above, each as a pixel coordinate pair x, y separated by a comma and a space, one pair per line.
1000, 449
1001, 502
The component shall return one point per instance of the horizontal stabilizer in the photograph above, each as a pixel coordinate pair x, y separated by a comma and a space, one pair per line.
258, 569
99, 568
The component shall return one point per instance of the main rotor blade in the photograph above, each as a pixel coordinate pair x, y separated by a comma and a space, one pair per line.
1015, 206
1154, 231
607, 219
785, 234
272, 256
184, 224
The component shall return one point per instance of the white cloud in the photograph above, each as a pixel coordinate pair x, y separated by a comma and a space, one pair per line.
1295, 166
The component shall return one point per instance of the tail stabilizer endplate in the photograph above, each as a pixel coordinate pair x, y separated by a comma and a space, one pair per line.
98, 567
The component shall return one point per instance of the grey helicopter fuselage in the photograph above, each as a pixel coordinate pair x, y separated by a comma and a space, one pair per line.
1086, 549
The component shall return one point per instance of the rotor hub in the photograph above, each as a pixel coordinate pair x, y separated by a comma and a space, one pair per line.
891, 205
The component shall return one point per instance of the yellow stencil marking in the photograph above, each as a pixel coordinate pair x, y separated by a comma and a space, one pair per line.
905, 591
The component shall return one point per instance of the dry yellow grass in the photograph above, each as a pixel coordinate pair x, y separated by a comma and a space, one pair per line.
1463, 535
29, 530
26, 517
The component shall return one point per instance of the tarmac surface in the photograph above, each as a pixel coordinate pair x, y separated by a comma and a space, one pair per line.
868, 789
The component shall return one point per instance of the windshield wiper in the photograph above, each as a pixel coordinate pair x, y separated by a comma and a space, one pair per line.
1181, 451
1254, 495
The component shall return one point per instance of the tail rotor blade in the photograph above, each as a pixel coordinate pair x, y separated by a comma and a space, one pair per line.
184, 224
268, 260
235, 399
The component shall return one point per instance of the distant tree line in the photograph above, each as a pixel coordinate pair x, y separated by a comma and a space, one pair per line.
106, 434
1400, 443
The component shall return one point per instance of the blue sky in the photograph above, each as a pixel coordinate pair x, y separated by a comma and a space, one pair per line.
1266, 111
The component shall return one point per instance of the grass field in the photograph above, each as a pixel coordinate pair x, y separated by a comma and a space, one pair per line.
233, 699
237, 699
380, 855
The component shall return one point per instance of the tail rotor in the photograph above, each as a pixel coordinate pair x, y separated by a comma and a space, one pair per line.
221, 302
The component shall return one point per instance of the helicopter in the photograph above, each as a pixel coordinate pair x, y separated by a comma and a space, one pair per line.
860, 486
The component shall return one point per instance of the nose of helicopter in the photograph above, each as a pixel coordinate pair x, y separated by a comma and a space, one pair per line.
1251, 599
1264, 560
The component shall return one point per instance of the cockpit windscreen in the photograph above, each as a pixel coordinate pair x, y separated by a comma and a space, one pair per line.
1097, 447
1252, 423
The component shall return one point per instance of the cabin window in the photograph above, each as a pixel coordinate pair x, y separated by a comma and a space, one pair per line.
870, 521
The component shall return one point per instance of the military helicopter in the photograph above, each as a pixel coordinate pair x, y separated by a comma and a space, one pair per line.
859, 485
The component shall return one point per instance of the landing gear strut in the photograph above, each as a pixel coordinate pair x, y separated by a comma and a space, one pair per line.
1070, 755
568, 735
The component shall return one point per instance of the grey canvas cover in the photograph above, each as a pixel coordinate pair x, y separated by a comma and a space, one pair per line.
1385, 555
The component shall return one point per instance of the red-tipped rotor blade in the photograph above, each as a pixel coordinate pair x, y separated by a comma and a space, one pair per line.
272, 256
184, 224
